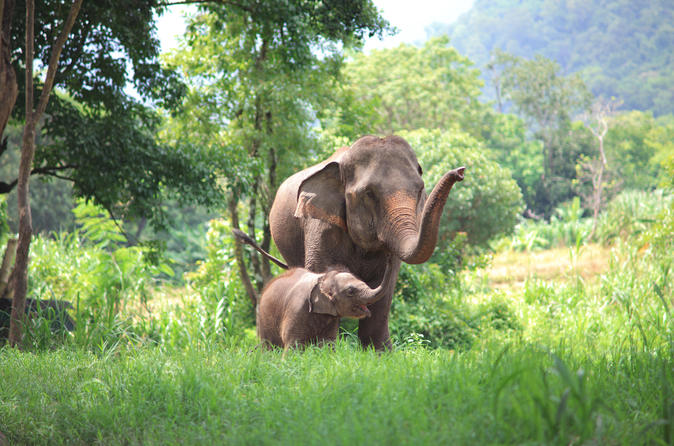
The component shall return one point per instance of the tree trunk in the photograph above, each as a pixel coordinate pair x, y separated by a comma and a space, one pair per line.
266, 234
8, 86
6, 268
598, 183
20, 274
238, 252
252, 211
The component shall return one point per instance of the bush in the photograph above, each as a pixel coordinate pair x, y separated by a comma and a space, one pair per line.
98, 274
631, 213
566, 227
427, 310
486, 204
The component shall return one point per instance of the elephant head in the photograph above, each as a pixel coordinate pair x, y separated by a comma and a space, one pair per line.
340, 293
374, 191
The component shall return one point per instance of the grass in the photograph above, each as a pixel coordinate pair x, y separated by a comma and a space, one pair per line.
505, 393
513, 268
584, 354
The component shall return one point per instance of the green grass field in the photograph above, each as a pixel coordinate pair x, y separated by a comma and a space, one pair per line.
500, 393
589, 360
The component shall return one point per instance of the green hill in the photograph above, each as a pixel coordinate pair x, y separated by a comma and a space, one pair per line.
621, 48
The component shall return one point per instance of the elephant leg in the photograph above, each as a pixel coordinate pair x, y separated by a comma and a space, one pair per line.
373, 330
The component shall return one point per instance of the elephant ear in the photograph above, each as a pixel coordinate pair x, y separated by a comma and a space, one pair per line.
321, 196
320, 300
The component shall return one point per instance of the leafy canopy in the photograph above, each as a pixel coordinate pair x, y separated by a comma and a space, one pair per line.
96, 134
485, 204
407, 88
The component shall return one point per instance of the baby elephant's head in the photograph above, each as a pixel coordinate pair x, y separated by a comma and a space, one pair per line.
342, 294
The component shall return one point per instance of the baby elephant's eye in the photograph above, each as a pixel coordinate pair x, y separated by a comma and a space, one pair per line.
351, 291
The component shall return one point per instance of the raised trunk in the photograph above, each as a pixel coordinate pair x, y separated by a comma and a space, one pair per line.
417, 248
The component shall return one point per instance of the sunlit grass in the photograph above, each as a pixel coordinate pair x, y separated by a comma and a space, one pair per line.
503, 392
512, 268
577, 348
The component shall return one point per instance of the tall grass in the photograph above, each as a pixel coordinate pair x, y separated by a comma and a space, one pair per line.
554, 362
629, 214
506, 392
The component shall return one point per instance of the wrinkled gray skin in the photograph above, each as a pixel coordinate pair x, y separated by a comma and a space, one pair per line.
354, 210
300, 307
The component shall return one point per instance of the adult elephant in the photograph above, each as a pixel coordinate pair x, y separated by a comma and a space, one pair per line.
354, 209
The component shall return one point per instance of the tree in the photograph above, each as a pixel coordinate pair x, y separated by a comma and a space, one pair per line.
487, 203
116, 162
597, 121
256, 79
547, 101
621, 48
638, 143
514, 150
19, 275
407, 88
90, 78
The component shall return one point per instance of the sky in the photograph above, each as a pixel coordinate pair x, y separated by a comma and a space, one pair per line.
411, 17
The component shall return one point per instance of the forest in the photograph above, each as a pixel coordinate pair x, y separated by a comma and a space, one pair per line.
543, 315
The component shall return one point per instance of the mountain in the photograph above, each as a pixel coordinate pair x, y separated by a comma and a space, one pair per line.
622, 48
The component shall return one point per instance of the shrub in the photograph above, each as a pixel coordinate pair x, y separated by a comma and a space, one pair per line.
486, 204
427, 310
566, 227
631, 213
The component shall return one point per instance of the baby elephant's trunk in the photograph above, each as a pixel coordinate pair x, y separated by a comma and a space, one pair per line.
378, 293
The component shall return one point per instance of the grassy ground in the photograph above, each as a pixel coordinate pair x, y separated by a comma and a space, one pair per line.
592, 363
501, 393
512, 269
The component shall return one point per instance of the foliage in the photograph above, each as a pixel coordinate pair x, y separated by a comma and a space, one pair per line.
547, 100
621, 48
257, 72
518, 153
92, 269
631, 213
566, 227
628, 215
406, 88
427, 311
97, 135
4, 226
636, 143
140, 174
483, 205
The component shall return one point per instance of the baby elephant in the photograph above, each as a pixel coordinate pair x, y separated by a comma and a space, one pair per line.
301, 307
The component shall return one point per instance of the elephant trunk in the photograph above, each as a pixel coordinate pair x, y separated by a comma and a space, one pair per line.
417, 247
379, 292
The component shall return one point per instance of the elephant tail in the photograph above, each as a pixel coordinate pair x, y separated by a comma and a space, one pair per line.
245, 238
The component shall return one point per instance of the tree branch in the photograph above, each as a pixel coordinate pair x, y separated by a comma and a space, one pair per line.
54, 58
6, 188
198, 2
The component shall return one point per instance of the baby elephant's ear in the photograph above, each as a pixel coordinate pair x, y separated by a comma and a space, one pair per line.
320, 302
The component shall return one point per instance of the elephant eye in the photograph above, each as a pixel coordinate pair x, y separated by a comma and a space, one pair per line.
351, 291
421, 171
